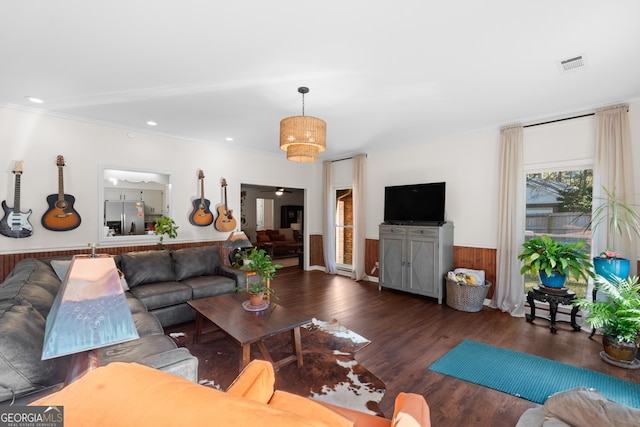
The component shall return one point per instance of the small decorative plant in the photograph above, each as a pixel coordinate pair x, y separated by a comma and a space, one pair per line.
609, 254
542, 254
260, 263
620, 315
165, 225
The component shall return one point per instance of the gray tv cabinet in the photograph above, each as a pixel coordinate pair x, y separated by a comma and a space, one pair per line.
416, 258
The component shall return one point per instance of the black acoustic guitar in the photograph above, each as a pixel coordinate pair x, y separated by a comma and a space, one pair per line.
225, 220
61, 215
15, 223
201, 215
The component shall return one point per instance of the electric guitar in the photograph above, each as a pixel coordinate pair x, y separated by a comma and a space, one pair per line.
15, 223
225, 220
201, 215
61, 216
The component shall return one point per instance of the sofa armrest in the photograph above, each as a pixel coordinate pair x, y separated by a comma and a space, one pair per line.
239, 276
410, 410
177, 362
255, 382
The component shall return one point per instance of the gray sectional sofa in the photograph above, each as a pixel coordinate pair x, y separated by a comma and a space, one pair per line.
158, 285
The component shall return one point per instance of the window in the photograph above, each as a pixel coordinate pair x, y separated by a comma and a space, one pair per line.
344, 228
559, 205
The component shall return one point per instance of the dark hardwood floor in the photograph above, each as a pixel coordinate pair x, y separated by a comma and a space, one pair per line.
409, 333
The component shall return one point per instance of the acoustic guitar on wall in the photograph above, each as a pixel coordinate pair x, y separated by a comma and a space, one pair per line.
225, 220
201, 215
16, 223
61, 215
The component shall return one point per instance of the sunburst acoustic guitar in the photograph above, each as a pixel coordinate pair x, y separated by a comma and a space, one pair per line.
61, 215
201, 215
15, 223
225, 220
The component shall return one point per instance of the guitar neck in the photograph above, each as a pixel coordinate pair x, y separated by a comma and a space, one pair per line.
60, 184
16, 199
202, 191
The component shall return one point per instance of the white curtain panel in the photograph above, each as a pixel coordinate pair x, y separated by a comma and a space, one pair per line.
359, 216
614, 171
328, 218
508, 294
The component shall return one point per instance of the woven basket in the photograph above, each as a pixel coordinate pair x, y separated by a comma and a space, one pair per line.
465, 297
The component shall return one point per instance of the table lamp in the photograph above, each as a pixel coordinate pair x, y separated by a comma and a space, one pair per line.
238, 241
90, 311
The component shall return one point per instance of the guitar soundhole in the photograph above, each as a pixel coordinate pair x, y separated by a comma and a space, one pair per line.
61, 204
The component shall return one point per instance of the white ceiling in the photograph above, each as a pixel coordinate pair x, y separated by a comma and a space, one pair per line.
380, 73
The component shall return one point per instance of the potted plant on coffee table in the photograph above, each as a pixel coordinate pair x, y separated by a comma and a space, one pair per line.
623, 222
553, 261
263, 271
618, 315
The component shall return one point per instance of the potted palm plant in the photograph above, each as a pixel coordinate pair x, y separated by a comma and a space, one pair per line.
264, 270
553, 261
618, 315
622, 219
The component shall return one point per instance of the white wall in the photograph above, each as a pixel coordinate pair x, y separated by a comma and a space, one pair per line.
469, 165
467, 162
38, 139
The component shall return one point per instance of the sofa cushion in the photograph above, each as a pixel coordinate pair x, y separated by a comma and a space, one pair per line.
21, 338
277, 238
162, 294
144, 267
307, 408
34, 281
194, 262
261, 238
147, 324
168, 401
208, 286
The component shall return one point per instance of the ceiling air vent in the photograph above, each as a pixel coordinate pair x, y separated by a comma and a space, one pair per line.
573, 64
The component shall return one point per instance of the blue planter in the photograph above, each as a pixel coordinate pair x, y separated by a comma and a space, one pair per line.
555, 280
608, 267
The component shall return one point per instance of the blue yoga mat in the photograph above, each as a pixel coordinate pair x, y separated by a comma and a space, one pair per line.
529, 377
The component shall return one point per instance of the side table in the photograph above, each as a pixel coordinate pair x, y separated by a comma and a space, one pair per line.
565, 297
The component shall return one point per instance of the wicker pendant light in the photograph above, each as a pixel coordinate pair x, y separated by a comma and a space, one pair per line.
303, 137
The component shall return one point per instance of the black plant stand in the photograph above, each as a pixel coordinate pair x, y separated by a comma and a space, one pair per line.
562, 296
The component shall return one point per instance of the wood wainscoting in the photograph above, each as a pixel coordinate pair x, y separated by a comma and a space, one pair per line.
8, 261
463, 257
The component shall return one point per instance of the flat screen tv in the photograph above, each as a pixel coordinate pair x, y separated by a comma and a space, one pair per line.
419, 204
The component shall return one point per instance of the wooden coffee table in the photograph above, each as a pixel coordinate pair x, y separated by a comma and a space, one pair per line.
248, 327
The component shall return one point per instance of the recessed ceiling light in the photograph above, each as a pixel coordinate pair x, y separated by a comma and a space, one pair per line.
34, 99
228, 139
152, 123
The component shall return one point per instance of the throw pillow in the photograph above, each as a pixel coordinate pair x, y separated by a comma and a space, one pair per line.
61, 267
263, 238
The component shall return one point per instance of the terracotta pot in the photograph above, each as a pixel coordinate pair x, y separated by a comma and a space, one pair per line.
619, 350
256, 300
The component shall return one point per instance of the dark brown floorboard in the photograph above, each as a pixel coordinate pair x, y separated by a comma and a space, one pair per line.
409, 333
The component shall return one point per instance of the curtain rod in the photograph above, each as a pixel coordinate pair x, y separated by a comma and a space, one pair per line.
344, 158
559, 120
566, 118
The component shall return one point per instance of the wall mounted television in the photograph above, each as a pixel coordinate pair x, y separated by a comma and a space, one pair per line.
415, 204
